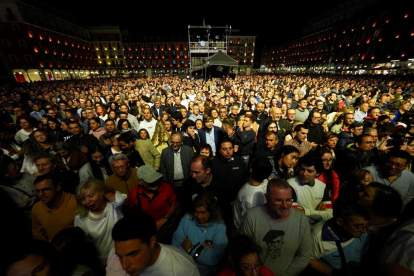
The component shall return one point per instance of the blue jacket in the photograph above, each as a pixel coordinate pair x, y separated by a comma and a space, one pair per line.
218, 134
196, 233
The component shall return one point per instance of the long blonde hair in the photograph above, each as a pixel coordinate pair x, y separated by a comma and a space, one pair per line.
93, 184
161, 135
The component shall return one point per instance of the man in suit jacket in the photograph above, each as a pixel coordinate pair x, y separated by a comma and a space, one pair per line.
175, 162
157, 108
210, 134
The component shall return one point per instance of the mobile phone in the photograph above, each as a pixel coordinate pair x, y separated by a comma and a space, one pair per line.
395, 143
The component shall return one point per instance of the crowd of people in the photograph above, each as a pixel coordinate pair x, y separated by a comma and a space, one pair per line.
257, 175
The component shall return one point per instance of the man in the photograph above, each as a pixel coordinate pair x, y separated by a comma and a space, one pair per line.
222, 115
149, 122
184, 112
104, 140
253, 192
302, 113
124, 177
177, 104
234, 111
271, 146
37, 113
157, 108
169, 126
287, 124
347, 229
260, 113
136, 251
230, 170
155, 198
319, 106
299, 141
54, 211
392, 173
247, 136
371, 119
210, 134
201, 180
127, 141
282, 232
310, 194
131, 118
348, 120
176, 119
46, 163
361, 154
195, 114
79, 139
175, 162
229, 131
331, 105
89, 115
316, 132
347, 138
362, 112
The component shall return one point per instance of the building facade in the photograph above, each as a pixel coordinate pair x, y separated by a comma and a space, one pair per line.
356, 37
39, 46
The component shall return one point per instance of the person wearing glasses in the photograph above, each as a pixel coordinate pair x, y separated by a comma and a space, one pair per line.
310, 194
55, 209
125, 176
392, 173
281, 232
316, 132
346, 232
243, 259
346, 138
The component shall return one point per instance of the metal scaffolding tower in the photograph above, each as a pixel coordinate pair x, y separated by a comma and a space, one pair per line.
205, 41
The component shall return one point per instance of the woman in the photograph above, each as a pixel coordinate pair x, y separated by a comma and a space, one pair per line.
65, 129
41, 137
330, 140
69, 159
124, 126
113, 106
202, 234
184, 100
54, 130
190, 137
101, 110
143, 134
399, 113
356, 181
329, 176
205, 150
112, 115
243, 258
98, 166
199, 124
99, 208
161, 138
95, 127
284, 163
27, 125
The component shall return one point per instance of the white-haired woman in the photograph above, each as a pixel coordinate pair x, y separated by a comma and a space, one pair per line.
99, 208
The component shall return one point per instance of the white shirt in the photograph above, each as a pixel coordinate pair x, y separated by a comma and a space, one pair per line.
172, 261
99, 227
248, 197
149, 126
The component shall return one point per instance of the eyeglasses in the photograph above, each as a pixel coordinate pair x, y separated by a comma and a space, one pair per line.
360, 227
317, 118
44, 190
398, 166
279, 201
256, 266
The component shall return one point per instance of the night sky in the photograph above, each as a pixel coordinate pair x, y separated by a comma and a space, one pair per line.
276, 23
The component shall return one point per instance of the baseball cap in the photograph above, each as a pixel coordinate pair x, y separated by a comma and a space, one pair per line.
148, 174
